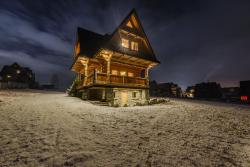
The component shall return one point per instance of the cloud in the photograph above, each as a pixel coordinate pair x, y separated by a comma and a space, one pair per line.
20, 30
38, 65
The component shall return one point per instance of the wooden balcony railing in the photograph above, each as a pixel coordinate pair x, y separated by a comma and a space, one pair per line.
115, 80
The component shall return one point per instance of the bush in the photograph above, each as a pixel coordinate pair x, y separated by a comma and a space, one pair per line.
158, 101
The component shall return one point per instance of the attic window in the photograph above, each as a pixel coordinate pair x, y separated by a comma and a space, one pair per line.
18, 71
134, 46
125, 43
129, 24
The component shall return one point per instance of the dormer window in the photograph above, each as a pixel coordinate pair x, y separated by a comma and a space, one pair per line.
134, 46
125, 43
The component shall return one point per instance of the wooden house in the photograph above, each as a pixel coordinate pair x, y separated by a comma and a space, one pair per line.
114, 68
17, 74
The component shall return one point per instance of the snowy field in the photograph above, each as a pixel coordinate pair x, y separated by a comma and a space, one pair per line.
51, 129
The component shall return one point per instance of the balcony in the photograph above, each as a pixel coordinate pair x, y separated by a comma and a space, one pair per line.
103, 79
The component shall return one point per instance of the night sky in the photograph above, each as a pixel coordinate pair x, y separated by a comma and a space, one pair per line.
195, 40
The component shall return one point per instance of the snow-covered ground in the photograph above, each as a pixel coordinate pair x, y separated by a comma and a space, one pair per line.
52, 129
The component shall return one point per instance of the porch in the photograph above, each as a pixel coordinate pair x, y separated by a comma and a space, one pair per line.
104, 79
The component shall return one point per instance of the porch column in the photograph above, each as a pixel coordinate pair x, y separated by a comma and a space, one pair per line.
146, 72
107, 57
85, 74
146, 75
84, 62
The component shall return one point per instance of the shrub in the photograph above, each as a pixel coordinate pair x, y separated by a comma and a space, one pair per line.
159, 101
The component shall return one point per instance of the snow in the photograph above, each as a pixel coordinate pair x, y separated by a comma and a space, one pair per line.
39, 128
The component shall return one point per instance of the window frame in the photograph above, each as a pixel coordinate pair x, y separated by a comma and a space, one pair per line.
125, 73
134, 46
125, 43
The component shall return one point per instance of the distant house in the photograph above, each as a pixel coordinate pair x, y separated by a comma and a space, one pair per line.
208, 90
165, 89
245, 91
190, 92
114, 67
231, 94
16, 74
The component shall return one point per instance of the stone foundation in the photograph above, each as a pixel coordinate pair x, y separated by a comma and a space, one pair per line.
117, 97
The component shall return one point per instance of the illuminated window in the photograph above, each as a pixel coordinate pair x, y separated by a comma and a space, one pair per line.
125, 43
134, 46
130, 74
123, 73
18, 71
8, 76
129, 24
114, 72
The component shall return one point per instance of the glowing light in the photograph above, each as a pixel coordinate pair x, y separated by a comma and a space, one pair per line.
244, 98
125, 43
134, 46
114, 72
129, 24
130, 74
18, 71
123, 73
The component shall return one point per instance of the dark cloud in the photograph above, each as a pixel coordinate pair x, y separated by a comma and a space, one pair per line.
195, 40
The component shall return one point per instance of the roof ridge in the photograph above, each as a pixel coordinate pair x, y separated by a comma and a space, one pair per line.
84, 29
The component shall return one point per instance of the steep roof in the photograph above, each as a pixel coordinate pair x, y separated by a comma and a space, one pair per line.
91, 42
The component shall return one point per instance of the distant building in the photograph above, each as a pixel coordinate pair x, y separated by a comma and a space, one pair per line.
208, 90
48, 86
245, 91
16, 74
190, 92
165, 89
231, 94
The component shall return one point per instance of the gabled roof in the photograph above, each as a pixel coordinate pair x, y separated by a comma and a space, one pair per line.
91, 42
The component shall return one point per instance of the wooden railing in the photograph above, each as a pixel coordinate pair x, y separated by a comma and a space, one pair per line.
103, 78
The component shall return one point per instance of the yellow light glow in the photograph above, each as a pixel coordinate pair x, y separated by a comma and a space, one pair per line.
123, 73
125, 43
114, 72
130, 74
129, 24
134, 46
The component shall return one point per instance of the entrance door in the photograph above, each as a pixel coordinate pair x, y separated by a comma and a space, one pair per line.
124, 98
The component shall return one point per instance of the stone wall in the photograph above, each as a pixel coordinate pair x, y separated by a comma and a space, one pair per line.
117, 96
129, 97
